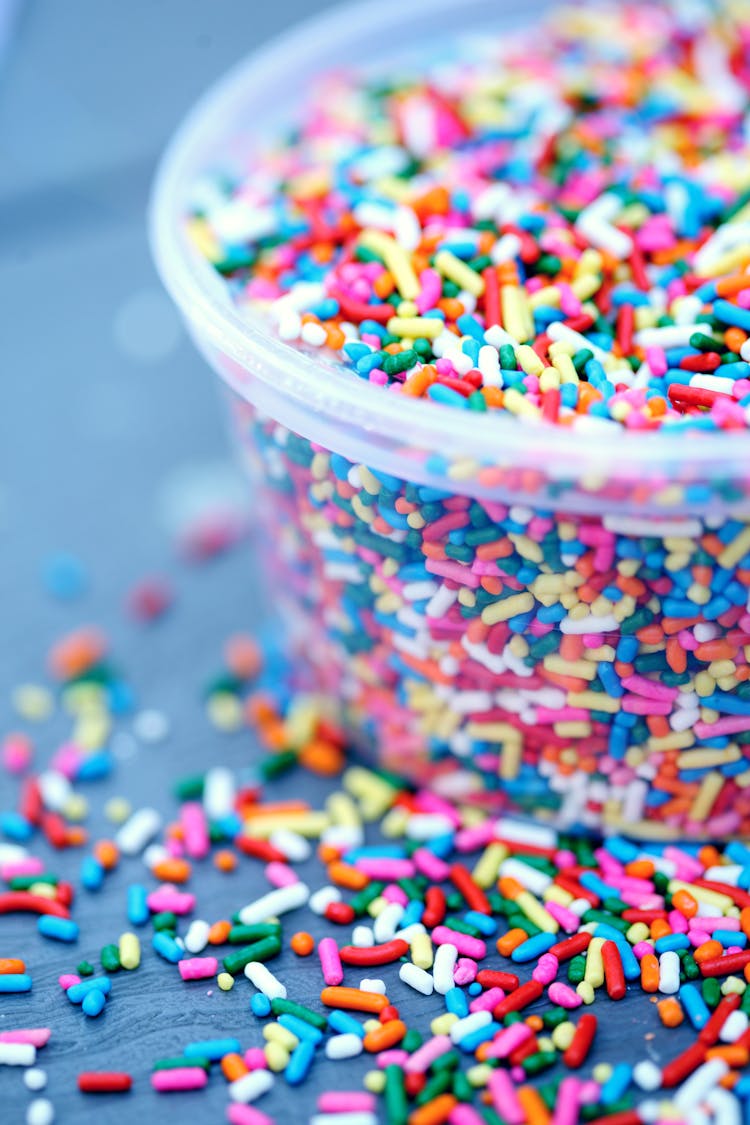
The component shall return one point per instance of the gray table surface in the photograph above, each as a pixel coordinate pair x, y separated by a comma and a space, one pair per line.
103, 443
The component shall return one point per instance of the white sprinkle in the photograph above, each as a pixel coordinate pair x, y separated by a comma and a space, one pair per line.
17, 1054
425, 826
387, 922
138, 830
443, 968
353, 1118
322, 899
725, 1106
280, 901
55, 789
669, 972
489, 365
647, 1075
346, 1046
35, 1078
505, 249
363, 937
196, 938
700, 1083
533, 880
669, 335
418, 979
151, 726
40, 1112
264, 980
218, 793
659, 529
713, 382
295, 847
591, 624
251, 1086
374, 985
734, 1026
313, 334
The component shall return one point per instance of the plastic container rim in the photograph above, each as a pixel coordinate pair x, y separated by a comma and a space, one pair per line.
248, 338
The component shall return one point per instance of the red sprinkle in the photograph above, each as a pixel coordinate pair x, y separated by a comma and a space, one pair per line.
104, 1082
580, 1045
374, 954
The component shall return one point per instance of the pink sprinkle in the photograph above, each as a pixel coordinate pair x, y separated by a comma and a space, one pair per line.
238, 1114
346, 1101
486, 1001
38, 1036
395, 1057
546, 968
280, 874
255, 1059
195, 830
198, 968
330, 962
181, 1078
29, 866
564, 995
567, 919
425, 1055
465, 972
641, 948
17, 752
506, 1041
427, 863
169, 898
393, 893
464, 943
464, 1115
389, 870
504, 1097
67, 980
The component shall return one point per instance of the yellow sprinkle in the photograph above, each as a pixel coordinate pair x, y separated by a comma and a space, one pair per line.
129, 951
733, 986
442, 1025
224, 711
536, 913
277, 1057
225, 982
594, 971
513, 312
711, 786
572, 729
487, 866
342, 810
261, 826
374, 1081
509, 607
33, 703
553, 893
510, 759
396, 260
478, 1076
493, 732
117, 810
562, 1035
43, 890
276, 1033
586, 991
421, 951
639, 931
528, 360
458, 272
594, 701
727, 263
204, 240
415, 326
579, 669
701, 759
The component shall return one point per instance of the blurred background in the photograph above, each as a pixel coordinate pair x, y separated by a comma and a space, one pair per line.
110, 423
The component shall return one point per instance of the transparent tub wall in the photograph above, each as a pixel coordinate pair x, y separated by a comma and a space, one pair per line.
573, 668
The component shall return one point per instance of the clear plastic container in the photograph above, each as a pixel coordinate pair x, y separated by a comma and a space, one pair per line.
484, 706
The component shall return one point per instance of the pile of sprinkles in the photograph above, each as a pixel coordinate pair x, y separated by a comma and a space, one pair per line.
551, 225
475, 961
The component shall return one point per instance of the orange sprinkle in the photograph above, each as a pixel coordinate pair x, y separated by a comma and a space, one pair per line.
302, 943
385, 1036
509, 887
219, 932
670, 1012
353, 999
344, 875
172, 870
321, 757
225, 861
510, 941
435, 1112
107, 853
233, 1066
685, 903
649, 972
640, 869
76, 653
733, 1054
12, 965
535, 1111
708, 951
242, 656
